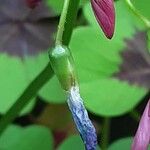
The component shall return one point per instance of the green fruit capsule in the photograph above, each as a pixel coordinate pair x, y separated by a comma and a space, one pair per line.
62, 63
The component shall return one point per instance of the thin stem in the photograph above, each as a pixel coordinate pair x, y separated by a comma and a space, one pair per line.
26, 97
66, 23
138, 14
61, 26
105, 133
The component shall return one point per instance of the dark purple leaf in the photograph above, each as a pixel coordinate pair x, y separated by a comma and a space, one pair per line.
23, 30
32, 3
135, 67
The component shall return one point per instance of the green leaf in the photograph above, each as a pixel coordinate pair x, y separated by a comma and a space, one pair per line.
97, 59
13, 80
21, 73
10, 136
52, 92
73, 142
124, 144
135, 66
142, 7
33, 137
110, 97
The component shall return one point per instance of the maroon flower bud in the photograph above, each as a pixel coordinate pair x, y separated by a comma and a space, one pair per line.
32, 3
142, 137
105, 14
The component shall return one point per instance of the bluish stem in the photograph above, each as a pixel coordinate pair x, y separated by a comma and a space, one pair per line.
81, 119
63, 66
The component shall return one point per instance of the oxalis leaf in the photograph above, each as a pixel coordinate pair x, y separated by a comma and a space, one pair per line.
24, 31
25, 36
29, 138
73, 142
12, 82
123, 143
135, 67
97, 59
95, 64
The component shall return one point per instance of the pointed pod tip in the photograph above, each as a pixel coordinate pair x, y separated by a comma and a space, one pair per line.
109, 36
104, 12
142, 137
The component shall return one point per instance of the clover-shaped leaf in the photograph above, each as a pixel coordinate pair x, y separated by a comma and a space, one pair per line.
135, 67
29, 138
25, 36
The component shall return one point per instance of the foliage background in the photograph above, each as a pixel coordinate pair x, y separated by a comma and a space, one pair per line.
113, 82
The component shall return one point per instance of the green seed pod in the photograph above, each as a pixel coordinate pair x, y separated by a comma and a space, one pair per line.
62, 63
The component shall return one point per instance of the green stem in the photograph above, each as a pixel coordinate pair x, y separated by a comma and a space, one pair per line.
105, 133
66, 23
60, 57
63, 37
25, 98
138, 14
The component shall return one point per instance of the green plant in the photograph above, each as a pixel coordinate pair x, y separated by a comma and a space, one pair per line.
113, 75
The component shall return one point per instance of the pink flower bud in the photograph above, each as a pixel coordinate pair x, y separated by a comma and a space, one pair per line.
105, 14
142, 137
32, 3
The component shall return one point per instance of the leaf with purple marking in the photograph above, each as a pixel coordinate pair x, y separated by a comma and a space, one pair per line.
23, 30
25, 36
135, 67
